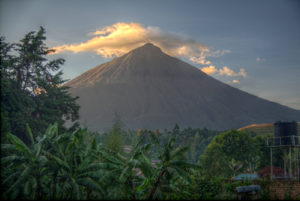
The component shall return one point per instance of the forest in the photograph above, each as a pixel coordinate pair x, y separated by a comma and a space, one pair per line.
42, 159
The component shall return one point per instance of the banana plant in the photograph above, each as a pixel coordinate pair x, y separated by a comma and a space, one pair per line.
75, 166
172, 163
128, 170
53, 166
28, 164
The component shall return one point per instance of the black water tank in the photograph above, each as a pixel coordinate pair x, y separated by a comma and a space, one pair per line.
283, 130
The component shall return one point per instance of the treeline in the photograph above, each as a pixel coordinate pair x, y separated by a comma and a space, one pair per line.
219, 154
195, 138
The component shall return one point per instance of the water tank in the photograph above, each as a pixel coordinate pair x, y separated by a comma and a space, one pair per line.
285, 130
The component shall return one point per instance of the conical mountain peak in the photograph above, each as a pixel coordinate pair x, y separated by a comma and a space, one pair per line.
145, 61
150, 89
149, 45
147, 48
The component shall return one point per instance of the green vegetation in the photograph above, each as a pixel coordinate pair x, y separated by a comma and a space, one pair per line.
232, 152
114, 139
74, 166
195, 139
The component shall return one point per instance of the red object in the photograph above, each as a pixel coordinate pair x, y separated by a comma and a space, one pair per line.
266, 172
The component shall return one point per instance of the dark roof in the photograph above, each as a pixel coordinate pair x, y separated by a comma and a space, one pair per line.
246, 177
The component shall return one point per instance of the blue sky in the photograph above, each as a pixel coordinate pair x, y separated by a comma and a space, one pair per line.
253, 45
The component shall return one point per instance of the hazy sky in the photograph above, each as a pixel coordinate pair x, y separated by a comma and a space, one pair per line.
251, 45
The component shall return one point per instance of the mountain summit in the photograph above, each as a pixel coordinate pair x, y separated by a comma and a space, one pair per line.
146, 61
146, 48
150, 89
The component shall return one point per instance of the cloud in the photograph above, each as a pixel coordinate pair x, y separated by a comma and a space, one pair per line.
228, 72
218, 53
120, 38
235, 82
209, 69
259, 59
242, 73
110, 41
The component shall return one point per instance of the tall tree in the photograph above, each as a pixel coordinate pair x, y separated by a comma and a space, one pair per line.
114, 138
228, 153
32, 87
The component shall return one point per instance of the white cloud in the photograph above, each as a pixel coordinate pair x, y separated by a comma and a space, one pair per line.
242, 73
225, 71
235, 82
120, 38
259, 59
229, 72
209, 69
218, 53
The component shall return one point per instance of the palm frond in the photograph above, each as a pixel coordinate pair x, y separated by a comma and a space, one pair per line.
75, 190
92, 174
11, 177
147, 169
62, 138
38, 147
124, 174
90, 184
61, 163
30, 134
19, 181
20, 145
143, 186
9, 147
183, 174
52, 130
11, 159
179, 152
92, 167
111, 157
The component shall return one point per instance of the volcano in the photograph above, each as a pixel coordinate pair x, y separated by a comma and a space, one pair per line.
149, 89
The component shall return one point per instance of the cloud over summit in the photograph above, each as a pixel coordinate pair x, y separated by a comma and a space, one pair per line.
119, 38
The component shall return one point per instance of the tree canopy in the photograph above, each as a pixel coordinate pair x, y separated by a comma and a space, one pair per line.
32, 88
229, 153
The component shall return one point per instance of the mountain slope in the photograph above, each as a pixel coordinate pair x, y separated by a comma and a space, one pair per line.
150, 89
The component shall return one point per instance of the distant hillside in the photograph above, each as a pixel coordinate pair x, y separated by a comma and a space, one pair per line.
263, 129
